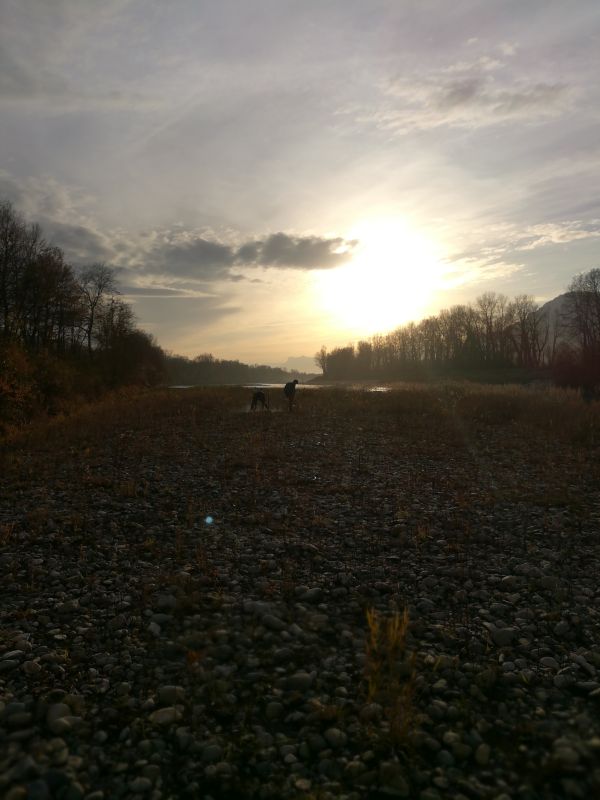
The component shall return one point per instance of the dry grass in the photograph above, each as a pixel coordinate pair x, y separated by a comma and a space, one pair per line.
390, 672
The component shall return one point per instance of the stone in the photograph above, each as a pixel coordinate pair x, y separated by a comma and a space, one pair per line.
170, 695
482, 754
165, 716
212, 753
503, 637
301, 681
335, 738
392, 780
274, 710
140, 785
273, 623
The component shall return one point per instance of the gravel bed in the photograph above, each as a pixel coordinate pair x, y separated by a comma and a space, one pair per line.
188, 610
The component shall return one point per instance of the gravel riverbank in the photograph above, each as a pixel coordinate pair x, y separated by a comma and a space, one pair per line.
376, 596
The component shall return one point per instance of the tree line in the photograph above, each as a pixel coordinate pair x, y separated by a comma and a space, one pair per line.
493, 334
205, 369
46, 305
62, 330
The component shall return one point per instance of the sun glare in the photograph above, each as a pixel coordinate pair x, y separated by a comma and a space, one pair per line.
390, 280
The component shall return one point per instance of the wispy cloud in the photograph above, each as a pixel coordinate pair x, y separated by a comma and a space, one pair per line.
466, 94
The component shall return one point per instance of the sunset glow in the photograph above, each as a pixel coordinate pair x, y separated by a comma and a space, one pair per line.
389, 281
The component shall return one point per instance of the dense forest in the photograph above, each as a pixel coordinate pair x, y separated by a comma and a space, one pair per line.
63, 333
494, 336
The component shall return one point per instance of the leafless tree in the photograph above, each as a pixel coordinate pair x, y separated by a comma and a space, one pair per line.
97, 286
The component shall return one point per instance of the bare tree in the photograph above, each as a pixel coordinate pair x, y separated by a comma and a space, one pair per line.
321, 359
583, 311
97, 284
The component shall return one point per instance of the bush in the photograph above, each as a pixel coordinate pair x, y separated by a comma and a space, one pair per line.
19, 395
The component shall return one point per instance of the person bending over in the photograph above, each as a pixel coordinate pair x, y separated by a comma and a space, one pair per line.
259, 398
289, 391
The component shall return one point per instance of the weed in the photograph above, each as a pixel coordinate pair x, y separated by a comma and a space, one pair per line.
390, 671
422, 533
6, 531
126, 488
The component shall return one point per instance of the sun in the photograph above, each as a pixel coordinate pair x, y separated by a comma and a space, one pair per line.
390, 280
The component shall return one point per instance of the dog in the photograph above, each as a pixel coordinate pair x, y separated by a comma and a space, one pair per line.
259, 398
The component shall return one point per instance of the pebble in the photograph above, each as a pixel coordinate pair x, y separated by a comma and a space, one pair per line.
165, 716
482, 754
159, 651
140, 785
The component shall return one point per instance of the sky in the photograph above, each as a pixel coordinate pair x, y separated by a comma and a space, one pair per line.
272, 176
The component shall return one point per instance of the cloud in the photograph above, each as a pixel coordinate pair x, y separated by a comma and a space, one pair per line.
40, 43
42, 197
67, 220
472, 94
296, 252
157, 291
184, 255
79, 243
544, 234
22, 85
197, 258
502, 250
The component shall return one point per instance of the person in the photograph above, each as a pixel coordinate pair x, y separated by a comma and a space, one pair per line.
259, 398
289, 391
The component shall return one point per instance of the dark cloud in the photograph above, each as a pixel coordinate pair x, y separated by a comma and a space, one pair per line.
298, 252
203, 259
79, 243
198, 258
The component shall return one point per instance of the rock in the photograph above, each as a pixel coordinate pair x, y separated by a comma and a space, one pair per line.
313, 595
57, 711
140, 785
563, 680
274, 710
170, 695
31, 668
549, 662
273, 623
392, 780
165, 716
16, 793
371, 712
212, 753
566, 756
482, 754
166, 602
301, 681
335, 738
38, 790
502, 637
154, 628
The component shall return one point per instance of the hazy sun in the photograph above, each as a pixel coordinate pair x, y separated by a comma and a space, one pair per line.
390, 280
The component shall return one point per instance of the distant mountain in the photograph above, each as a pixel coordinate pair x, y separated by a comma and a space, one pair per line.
301, 364
556, 311
557, 306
